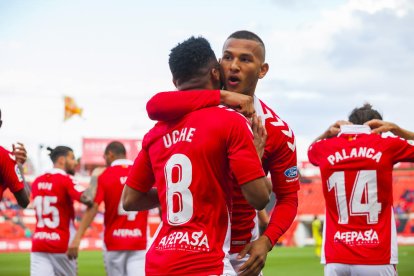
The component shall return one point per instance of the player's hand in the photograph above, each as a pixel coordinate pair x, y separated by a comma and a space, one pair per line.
20, 153
378, 126
257, 250
334, 129
239, 102
260, 135
73, 250
87, 200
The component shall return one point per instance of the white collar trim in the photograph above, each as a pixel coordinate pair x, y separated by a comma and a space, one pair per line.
122, 162
56, 171
355, 129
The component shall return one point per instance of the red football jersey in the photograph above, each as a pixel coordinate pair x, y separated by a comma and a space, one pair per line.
53, 194
279, 159
356, 169
192, 162
123, 230
10, 176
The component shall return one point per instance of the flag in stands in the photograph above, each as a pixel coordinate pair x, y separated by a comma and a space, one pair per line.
71, 108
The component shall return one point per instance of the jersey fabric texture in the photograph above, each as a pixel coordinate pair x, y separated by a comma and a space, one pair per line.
123, 230
10, 176
53, 194
356, 170
279, 160
192, 161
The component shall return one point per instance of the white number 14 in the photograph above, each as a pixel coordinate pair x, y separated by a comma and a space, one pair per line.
364, 190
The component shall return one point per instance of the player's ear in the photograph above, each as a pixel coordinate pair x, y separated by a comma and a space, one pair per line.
264, 68
175, 82
215, 74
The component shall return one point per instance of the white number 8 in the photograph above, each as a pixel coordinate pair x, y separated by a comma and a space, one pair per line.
179, 197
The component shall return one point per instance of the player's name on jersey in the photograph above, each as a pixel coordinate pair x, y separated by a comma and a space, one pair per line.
175, 136
127, 233
45, 186
185, 241
368, 237
53, 236
361, 152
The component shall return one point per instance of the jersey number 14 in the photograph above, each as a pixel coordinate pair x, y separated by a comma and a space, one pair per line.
363, 199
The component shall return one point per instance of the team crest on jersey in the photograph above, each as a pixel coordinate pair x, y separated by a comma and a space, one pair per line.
18, 173
292, 172
411, 142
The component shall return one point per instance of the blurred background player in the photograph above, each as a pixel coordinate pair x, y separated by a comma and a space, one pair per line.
53, 194
317, 234
243, 64
191, 162
125, 235
11, 173
360, 236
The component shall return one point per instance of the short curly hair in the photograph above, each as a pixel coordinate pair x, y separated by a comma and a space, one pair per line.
191, 58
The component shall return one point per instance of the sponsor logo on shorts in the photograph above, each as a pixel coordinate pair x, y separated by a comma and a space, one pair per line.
292, 172
184, 241
369, 237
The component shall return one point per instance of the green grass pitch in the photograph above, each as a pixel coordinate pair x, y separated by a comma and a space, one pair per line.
281, 261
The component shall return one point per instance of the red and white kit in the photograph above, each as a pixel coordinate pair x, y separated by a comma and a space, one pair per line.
192, 162
10, 176
53, 194
123, 230
356, 169
279, 160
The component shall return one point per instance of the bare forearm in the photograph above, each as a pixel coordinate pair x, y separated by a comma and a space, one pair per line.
136, 201
403, 133
86, 221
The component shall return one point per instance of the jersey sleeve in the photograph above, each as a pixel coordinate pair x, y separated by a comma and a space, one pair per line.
99, 195
314, 153
403, 150
244, 160
10, 172
141, 177
282, 165
159, 107
74, 193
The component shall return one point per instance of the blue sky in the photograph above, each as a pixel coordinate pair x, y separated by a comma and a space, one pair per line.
326, 57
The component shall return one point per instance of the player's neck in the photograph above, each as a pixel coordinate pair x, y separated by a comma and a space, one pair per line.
196, 84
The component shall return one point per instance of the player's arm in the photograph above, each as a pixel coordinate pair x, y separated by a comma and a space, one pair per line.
134, 200
22, 196
379, 126
138, 193
86, 221
74, 191
257, 192
12, 176
159, 107
263, 218
332, 130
